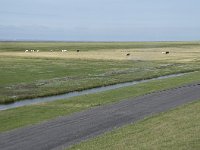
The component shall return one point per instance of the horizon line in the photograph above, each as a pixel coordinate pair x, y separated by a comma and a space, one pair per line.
93, 41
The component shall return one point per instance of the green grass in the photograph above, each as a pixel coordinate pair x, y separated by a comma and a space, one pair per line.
27, 115
33, 77
87, 46
24, 77
177, 129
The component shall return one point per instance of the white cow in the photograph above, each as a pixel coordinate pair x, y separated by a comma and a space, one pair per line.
26, 50
37, 50
64, 50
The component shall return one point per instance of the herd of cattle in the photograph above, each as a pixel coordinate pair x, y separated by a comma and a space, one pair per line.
33, 50
64, 50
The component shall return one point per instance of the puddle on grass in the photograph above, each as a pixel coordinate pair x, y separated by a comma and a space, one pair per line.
79, 93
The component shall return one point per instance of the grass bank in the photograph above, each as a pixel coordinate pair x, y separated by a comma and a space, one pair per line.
177, 129
27, 115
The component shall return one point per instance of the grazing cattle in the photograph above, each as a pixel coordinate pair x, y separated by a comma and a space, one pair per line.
167, 52
77, 50
64, 50
37, 50
26, 50
128, 54
32, 50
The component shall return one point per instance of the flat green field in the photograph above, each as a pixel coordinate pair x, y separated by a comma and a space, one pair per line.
30, 75
28, 78
91, 46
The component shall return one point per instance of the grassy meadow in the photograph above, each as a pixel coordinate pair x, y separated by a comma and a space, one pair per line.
30, 75
91, 46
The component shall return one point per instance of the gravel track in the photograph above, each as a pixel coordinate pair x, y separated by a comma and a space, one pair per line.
65, 131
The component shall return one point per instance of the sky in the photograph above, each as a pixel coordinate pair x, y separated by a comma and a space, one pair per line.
100, 20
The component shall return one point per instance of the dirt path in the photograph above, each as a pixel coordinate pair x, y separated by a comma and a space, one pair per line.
65, 131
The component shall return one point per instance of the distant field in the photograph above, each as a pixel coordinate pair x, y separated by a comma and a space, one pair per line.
179, 51
29, 75
176, 55
91, 46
